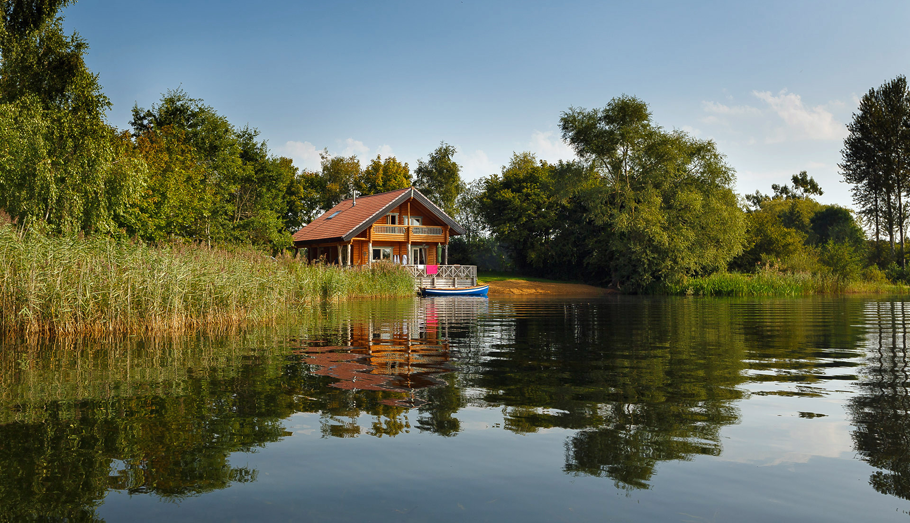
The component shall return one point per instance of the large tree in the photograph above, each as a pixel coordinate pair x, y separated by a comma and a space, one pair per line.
339, 177
660, 206
233, 189
383, 176
439, 178
876, 160
60, 163
524, 208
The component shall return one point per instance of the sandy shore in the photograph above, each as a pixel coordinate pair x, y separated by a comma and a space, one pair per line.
528, 288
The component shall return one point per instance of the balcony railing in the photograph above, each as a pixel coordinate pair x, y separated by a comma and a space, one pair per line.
427, 231
417, 230
390, 229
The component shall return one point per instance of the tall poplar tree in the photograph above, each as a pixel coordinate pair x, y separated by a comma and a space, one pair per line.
876, 161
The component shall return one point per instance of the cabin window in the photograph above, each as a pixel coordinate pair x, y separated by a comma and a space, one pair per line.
392, 218
382, 253
416, 220
334, 214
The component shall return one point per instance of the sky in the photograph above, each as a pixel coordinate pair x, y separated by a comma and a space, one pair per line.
772, 83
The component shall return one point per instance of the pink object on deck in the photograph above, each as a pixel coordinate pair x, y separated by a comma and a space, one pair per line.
432, 269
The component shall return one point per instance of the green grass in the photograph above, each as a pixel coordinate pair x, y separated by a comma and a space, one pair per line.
772, 283
491, 276
62, 285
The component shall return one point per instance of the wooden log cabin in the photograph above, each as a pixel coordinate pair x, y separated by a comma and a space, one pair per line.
401, 226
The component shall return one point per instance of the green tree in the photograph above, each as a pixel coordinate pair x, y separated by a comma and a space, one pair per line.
301, 197
384, 175
523, 209
661, 206
59, 159
231, 187
340, 176
439, 178
216, 148
876, 160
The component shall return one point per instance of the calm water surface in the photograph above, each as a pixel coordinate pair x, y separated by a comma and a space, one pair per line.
624, 409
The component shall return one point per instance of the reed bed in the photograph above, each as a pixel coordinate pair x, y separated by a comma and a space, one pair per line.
774, 283
67, 285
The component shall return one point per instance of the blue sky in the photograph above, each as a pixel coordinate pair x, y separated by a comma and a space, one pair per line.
773, 83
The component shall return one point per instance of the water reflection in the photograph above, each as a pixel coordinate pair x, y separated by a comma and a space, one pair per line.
881, 411
79, 419
627, 383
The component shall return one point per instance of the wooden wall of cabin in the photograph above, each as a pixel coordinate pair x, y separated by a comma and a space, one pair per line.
362, 256
417, 209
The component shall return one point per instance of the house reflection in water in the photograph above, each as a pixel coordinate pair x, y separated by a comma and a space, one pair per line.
401, 354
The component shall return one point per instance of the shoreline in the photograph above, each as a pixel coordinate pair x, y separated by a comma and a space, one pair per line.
537, 288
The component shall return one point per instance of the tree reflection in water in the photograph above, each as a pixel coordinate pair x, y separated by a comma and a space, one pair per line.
633, 382
881, 411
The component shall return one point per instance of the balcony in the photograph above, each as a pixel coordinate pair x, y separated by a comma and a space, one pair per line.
399, 233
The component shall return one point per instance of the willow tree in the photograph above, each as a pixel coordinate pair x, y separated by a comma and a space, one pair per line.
60, 163
661, 206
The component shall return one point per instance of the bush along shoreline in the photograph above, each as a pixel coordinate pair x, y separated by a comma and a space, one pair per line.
770, 283
53, 285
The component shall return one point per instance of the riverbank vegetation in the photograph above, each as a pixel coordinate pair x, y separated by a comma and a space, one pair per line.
52, 284
646, 210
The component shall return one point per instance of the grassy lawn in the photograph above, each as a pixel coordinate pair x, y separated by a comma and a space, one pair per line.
490, 276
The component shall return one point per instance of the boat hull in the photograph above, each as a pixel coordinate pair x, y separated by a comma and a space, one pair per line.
480, 290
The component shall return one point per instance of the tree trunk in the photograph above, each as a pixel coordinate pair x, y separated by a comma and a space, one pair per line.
900, 218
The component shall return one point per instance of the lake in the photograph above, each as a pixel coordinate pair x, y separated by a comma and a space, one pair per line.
460, 409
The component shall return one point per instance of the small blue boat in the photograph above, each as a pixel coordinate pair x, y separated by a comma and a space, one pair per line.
480, 290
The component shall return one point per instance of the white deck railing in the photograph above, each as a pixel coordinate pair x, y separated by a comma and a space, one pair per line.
446, 275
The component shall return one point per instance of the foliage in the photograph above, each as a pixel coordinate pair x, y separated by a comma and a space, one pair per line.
59, 162
660, 205
384, 175
524, 210
798, 234
804, 186
231, 188
439, 178
876, 161
97, 285
340, 175
771, 281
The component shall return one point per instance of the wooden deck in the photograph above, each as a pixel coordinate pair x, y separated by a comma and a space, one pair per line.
447, 277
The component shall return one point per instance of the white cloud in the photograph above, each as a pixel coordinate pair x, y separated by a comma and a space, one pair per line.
551, 148
304, 154
731, 110
385, 151
352, 146
688, 129
801, 122
476, 164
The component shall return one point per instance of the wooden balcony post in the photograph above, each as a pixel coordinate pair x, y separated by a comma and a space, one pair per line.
350, 254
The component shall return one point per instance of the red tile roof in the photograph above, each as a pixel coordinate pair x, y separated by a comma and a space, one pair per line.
349, 217
345, 220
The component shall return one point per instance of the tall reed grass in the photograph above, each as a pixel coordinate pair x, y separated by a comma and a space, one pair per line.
774, 283
60, 285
